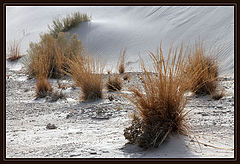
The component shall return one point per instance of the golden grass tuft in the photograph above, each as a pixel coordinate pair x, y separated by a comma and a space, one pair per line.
161, 102
87, 74
114, 84
207, 81
121, 62
14, 51
48, 56
43, 87
66, 23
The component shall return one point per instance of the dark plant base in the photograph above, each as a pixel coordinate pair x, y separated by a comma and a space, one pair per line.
147, 136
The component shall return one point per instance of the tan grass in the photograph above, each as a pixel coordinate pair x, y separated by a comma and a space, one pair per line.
114, 83
14, 51
87, 74
43, 87
121, 62
47, 57
207, 81
161, 102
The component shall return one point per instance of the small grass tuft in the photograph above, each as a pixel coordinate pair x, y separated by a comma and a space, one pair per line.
14, 51
43, 87
121, 62
66, 23
207, 81
114, 84
87, 74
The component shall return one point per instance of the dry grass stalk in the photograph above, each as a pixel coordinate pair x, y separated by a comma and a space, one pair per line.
14, 51
87, 74
121, 62
207, 81
161, 103
114, 84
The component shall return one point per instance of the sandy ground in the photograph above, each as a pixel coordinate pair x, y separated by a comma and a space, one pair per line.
95, 130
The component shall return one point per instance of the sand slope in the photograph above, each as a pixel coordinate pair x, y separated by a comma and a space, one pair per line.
138, 29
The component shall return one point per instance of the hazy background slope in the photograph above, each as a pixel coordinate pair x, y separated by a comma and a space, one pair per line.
136, 28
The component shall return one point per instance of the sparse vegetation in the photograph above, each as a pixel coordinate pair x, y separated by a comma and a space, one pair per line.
207, 81
14, 51
43, 87
66, 23
48, 56
121, 62
114, 84
87, 74
161, 102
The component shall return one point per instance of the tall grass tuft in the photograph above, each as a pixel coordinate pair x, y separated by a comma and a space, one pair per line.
207, 80
161, 102
87, 74
51, 53
114, 84
66, 23
121, 62
14, 51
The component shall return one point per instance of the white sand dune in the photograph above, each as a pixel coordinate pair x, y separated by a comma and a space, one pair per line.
138, 29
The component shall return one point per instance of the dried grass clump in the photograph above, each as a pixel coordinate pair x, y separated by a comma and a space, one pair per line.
161, 102
43, 87
51, 53
114, 84
207, 81
14, 51
66, 23
121, 62
87, 74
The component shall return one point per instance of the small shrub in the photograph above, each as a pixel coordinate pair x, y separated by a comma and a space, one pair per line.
121, 62
51, 53
67, 23
87, 74
161, 102
43, 87
207, 80
14, 51
114, 84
